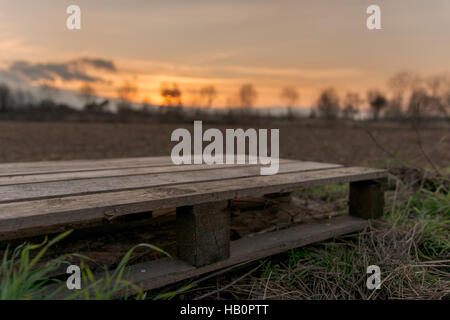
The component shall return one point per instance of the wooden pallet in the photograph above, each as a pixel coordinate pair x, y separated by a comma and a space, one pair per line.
48, 197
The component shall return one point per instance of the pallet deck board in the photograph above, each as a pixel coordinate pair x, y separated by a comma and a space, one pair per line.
42, 167
24, 217
8, 169
34, 191
116, 172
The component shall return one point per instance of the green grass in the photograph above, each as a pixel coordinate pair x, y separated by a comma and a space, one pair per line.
19, 278
111, 284
411, 246
23, 275
431, 211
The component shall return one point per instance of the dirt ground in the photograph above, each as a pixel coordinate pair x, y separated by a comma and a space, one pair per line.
349, 144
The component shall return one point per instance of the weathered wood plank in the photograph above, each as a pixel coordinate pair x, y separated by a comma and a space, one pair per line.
203, 233
64, 176
7, 169
23, 168
34, 191
20, 219
158, 273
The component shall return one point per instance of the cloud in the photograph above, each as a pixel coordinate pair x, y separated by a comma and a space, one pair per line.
74, 70
98, 63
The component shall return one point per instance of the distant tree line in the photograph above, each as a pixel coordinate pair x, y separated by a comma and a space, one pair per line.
409, 96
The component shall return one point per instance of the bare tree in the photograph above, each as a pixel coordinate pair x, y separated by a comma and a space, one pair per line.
406, 86
403, 81
247, 95
377, 102
171, 95
436, 84
19, 98
126, 94
87, 93
394, 109
421, 105
352, 103
445, 108
5, 97
89, 96
48, 92
25, 98
417, 105
290, 96
208, 94
328, 104
146, 105
402, 84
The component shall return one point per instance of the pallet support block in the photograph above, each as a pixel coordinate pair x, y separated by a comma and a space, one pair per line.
203, 233
366, 198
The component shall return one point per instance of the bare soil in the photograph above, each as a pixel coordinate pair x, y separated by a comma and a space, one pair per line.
349, 144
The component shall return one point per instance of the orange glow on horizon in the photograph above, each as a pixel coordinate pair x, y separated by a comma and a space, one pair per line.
149, 92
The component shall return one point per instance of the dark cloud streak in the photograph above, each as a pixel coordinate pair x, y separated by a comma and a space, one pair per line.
98, 63
74, 70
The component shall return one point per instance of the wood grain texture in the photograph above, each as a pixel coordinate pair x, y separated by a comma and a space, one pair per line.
33, 191
65, 176
18, 219
118, 172
8, 169
27, 168
203, 233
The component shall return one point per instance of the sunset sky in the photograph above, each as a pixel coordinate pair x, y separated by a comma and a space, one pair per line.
308, 44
